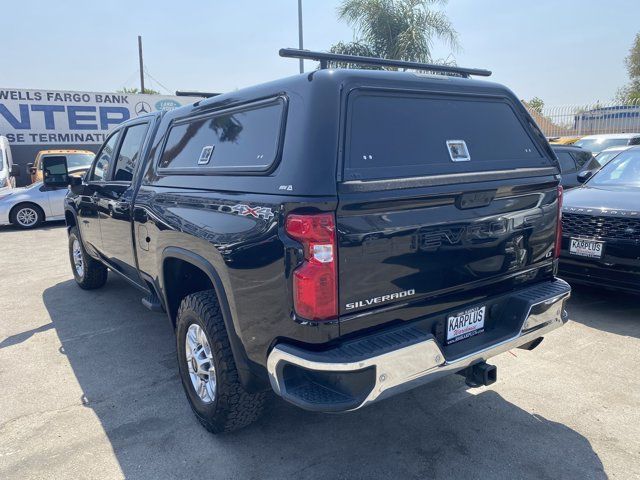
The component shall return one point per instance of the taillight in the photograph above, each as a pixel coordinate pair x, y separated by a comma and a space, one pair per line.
559, 226
315, 285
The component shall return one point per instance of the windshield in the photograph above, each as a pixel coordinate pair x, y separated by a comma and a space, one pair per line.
604, 157
599, 144
75, 161
622, 171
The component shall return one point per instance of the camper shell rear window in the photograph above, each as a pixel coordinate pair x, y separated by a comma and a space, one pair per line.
406, 134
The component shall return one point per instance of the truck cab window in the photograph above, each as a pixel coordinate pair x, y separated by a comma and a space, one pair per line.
101, 167
129, 153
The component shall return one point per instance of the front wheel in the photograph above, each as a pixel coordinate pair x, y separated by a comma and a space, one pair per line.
207, 368
88, 272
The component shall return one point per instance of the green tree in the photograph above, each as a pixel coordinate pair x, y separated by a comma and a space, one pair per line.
133, 91
537, 104
631, 91
354, 48
397, 29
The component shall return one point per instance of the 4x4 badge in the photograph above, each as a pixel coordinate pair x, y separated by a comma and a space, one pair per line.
256, 212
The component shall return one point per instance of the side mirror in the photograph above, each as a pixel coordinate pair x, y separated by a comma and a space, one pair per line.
54, 172
15, 170
585, 175
31, 169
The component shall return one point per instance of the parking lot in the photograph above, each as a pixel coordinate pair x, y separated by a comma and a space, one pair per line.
89, 389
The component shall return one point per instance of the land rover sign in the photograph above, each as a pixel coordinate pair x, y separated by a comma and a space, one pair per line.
51, 117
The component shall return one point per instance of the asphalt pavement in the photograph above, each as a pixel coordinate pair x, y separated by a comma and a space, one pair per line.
89, 388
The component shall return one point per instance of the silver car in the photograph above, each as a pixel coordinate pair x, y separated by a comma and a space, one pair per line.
30, 206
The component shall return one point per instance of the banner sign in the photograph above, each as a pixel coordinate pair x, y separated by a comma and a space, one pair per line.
49, 117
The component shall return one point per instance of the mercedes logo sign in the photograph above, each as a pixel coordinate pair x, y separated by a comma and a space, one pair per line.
142, 108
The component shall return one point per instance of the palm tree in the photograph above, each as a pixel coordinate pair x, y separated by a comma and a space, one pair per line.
397, 29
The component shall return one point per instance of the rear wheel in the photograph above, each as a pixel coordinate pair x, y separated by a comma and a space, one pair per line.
27, 215
208, 370
88, 272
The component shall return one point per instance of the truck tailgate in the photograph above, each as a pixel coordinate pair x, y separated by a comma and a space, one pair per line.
396, 250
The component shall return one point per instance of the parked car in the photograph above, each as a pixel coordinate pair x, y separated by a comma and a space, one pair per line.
572, 161
596, 143
610, 153
77, 160
28, 207
8, 170
601, 226
336, 237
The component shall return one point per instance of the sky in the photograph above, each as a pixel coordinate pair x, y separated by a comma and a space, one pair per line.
565, 52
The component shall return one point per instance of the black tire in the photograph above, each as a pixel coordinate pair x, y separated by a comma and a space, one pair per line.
26, 210
233, 407
93, 273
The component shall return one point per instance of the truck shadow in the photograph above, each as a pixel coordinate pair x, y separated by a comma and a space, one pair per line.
607, 310
124, 359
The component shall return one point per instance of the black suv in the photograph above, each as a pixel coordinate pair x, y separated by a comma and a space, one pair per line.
601, 226
337, 236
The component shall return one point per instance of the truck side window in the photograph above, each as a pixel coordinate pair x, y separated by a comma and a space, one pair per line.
129, 153
101, 167
242, 139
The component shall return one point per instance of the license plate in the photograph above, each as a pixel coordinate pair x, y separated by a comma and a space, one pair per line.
465, 324
586, 248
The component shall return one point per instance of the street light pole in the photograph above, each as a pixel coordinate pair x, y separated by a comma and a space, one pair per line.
300, 46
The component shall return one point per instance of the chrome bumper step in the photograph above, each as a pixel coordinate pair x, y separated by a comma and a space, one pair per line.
359, 372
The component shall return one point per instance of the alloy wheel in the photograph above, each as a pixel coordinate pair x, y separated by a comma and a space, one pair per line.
78, 262
200, 364
27, 217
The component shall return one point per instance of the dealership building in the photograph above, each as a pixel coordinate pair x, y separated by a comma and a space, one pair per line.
34, 120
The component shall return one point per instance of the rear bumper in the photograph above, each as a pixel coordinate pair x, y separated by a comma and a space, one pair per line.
360, 372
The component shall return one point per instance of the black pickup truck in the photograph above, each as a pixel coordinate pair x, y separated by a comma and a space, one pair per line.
336, 237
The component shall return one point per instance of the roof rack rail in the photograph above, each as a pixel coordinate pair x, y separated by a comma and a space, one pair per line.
190, 93
324, 58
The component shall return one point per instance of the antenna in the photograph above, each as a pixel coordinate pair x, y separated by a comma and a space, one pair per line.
325, 58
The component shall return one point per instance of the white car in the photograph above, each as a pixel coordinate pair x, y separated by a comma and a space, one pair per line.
597, 143
30, 206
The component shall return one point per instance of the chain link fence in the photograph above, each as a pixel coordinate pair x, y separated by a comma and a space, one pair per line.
580, 120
